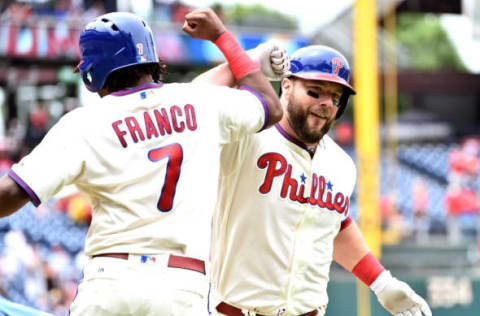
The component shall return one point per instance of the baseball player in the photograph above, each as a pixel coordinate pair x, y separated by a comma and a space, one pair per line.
283, 209
147, 156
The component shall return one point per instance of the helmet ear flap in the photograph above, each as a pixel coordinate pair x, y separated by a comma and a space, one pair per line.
84, 68
343, 104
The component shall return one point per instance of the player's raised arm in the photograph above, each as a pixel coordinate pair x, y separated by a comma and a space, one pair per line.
271, 57
205, 24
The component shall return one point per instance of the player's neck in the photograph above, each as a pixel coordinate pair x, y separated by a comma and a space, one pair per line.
143, 80
287, 127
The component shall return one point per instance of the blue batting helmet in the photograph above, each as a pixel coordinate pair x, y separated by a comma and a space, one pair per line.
317, 62
114, 41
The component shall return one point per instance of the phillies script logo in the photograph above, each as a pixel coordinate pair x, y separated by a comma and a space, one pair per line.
321, 193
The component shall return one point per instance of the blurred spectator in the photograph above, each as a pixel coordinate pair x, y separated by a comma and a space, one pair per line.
179, 10
5, 157
17, 12
344, 133
421, 221
393, 226
68, 9
463, 208
20, 264
461, 201
38, 276
75, 205
142, 8
14, 137
79, 209
465, 161
218, 9
161, 10
4, 6
37, 126
94, 9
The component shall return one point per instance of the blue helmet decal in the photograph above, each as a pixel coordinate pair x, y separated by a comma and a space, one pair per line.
114, 41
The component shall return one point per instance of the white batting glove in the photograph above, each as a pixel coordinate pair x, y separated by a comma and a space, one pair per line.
272, 58
397, 297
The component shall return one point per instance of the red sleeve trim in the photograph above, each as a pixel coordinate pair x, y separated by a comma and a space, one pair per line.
31, 194
345, 223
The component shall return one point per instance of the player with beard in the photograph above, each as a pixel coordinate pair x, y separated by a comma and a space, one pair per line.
283, 209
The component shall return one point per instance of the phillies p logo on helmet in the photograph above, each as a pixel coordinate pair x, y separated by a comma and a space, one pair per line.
338, 64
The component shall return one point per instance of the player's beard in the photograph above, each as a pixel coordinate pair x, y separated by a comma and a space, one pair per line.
297, 118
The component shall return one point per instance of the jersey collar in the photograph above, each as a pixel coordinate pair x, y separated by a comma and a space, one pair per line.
149, 85
291, 138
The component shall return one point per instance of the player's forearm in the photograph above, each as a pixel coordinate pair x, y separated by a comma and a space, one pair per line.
12, 197
349, 247
352, 252
246, 72
220, 75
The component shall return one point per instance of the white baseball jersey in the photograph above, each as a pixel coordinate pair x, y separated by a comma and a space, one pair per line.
277, 216
148, 160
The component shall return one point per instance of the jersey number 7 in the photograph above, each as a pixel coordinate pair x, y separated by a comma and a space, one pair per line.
174, 153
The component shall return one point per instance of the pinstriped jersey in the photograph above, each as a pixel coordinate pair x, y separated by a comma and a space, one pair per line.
278, 213
148, 160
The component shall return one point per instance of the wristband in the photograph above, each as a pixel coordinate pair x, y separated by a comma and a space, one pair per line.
238, 60
368, 269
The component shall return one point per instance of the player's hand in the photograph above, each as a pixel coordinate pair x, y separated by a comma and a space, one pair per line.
203, 24
272, 58
398, 298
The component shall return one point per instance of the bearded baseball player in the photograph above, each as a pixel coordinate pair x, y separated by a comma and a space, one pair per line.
147, 156
283, 209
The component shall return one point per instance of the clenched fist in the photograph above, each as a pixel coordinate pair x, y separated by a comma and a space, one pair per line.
203, 24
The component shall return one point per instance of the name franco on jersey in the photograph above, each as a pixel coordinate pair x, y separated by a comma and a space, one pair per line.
156, 123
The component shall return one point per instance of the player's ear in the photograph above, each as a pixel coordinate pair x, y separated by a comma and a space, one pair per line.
286, 87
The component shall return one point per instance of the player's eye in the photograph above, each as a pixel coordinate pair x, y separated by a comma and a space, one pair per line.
336, 99
313, 94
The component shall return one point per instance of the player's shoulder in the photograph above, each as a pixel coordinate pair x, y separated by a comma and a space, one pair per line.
76, 116
262, 139
270, 134
337, 153
198, 87
194, 90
